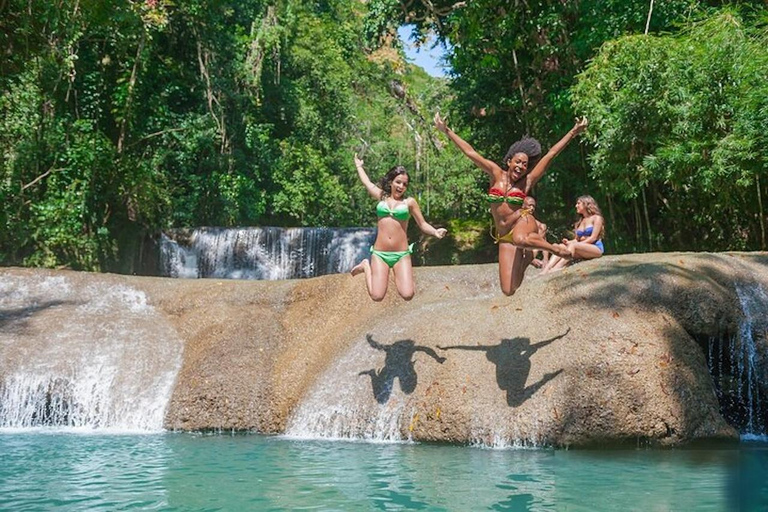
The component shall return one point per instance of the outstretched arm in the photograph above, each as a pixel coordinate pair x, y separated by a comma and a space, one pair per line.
486, 165
465, 347
431, 353
544, 343
535, 175
372, 189
374, 343
424, 226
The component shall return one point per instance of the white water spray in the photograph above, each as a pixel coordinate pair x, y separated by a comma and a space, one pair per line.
739, 363
263, 253
80, 353
341, 405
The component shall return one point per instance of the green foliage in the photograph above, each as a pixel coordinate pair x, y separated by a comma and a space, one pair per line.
124, 118
120, 121
680, 120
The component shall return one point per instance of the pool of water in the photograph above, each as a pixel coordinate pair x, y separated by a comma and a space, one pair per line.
42, 470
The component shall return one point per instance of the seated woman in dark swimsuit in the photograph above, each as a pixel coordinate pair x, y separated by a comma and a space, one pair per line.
516, 228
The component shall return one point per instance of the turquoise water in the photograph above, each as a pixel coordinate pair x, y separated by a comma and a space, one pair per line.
68, 471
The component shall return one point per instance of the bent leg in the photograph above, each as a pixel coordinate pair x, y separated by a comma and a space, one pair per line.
560, 263
553, 261
523, 258
377, 278
584, 250
404, 277
508, 253
526, 234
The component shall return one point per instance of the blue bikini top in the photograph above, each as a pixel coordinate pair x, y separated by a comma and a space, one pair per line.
586, 232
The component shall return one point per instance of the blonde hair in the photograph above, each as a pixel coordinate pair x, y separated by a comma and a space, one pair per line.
590, 205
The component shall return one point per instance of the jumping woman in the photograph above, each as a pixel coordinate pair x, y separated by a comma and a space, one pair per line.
391, 249
515, 227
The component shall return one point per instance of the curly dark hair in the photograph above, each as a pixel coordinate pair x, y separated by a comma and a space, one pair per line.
385, 183
527, 145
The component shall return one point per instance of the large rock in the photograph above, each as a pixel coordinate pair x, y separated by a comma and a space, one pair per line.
608, 351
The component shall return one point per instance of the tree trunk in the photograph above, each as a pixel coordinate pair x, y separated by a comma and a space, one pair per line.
131, 87
647, 222
761, 214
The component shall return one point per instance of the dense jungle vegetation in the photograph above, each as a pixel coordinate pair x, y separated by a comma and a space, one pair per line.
119, 119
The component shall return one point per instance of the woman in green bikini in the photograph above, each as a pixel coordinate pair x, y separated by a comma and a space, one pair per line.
391, 249
515, 227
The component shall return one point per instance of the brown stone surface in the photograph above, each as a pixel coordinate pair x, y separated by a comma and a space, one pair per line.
603, 352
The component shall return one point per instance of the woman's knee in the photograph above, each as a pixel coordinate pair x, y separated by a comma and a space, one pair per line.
378, 296
508, 290
520, 239
406, 292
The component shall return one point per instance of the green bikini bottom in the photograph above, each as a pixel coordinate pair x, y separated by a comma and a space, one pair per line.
392, 257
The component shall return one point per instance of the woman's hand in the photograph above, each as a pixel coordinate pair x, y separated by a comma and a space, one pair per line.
441, 232
358, 162
440, 123
580, 126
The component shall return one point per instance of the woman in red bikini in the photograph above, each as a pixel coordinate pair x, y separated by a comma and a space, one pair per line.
516, 228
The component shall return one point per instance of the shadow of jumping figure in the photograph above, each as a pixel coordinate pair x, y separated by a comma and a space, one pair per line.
512, 358
398, 363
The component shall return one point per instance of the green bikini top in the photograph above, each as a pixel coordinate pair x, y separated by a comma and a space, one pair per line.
399, 212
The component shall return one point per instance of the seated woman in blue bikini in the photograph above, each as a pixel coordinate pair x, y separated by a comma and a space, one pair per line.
589, 231
391, 249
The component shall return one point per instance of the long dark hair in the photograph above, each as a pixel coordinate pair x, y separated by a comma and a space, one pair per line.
527, 145
385, 183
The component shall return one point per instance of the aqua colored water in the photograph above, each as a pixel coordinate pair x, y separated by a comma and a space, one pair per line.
65, 471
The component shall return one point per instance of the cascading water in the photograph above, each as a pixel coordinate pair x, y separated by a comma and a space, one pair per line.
344, 405
263, 253
76, 352
738, 365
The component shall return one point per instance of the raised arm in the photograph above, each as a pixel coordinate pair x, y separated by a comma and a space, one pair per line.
431, 353
374, 343
535, 175
486, 165
371, 187
424, 226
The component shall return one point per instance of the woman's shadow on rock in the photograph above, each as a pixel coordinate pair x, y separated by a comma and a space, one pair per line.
512, 358
398, 363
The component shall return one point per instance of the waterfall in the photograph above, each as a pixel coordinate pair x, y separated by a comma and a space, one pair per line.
738, 365
341, 405
263, 253
79, 352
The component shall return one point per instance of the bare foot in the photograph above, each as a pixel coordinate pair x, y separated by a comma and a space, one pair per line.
359, 268
562, 251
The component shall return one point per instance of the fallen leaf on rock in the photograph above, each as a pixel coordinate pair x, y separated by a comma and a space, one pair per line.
615, 314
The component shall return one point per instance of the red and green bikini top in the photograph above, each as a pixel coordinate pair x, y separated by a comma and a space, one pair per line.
514, 197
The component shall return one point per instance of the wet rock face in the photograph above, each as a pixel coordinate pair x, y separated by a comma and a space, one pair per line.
604, 352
